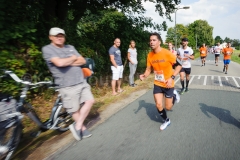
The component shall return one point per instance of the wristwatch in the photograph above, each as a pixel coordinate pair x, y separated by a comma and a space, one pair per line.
173, 77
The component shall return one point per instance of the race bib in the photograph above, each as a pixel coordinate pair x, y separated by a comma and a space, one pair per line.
185, 61
228, 52
203, 52
159, 76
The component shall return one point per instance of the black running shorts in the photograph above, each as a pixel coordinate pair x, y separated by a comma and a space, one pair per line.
186, 70
167, 91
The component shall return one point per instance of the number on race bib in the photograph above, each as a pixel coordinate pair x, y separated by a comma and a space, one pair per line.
159, 76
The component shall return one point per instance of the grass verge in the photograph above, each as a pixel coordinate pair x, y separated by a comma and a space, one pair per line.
235, 56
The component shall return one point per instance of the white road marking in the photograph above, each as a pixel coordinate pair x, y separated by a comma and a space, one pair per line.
220, 82
191, 79
235, 81
205, 81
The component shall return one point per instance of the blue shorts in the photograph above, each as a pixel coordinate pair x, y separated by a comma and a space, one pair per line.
226, 61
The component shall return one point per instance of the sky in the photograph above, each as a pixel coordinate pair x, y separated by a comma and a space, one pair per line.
222, 15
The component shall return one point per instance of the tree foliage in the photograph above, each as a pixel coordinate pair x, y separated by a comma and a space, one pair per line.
91, 27
202, 31
218, 39
181, 32
198, 32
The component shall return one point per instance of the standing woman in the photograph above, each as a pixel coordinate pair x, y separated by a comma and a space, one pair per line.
171, 48
132, 57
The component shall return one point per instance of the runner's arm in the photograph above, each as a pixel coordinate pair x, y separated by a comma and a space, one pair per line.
146, 73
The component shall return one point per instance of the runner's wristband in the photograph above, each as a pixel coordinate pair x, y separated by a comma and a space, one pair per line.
173, 77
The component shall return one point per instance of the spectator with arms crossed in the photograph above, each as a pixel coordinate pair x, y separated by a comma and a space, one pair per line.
64, 62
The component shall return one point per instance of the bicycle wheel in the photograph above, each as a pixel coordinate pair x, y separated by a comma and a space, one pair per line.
63, 118
11, 137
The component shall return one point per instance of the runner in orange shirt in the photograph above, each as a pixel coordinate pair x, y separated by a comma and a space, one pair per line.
227, 53
162, 62
203, 53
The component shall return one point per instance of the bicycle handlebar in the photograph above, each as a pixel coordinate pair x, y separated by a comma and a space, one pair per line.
17, 79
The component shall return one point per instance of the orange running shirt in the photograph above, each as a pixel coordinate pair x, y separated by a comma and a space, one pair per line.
227, 52
203, 51
161, 63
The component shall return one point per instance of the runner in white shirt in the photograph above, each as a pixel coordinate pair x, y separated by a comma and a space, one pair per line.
185, 54
217, 51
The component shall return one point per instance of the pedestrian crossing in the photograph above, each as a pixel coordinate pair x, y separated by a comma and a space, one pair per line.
212, 80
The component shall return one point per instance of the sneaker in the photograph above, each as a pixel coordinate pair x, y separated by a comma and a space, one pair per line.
182, 91
204, 64
225, 72
176, 96
165, 124
86, 134
224, 69
132, 85
3, 150
201, 65
135, 84
76, 133
186, 90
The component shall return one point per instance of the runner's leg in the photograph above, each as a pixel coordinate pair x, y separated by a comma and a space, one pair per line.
182, 74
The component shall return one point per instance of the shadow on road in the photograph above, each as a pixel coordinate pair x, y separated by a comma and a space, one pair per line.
151, 111
214, 70
222, 114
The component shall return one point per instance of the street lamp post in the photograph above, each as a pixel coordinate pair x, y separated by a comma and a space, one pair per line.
185, 7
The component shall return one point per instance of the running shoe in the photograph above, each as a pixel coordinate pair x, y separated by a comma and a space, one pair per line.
225, 72
165, 124
176, 96
182, 91
204, 64
86, 134
76, 133
223, 69
186, 90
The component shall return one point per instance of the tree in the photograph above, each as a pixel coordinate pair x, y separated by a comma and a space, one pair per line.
235, 42
218, 39
104, 27
181, 31
227, 39
202, 31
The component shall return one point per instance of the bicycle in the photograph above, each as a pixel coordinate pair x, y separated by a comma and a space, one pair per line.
59, 119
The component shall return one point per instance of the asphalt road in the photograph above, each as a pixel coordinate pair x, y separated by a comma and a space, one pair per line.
204, 125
